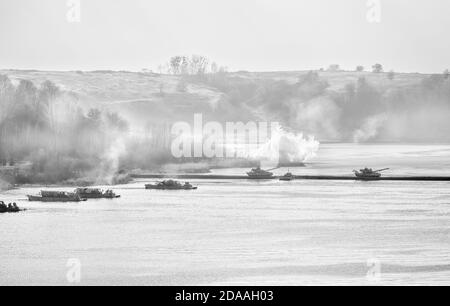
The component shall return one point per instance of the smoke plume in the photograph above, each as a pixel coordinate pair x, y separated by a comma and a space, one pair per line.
286, 148
370, 128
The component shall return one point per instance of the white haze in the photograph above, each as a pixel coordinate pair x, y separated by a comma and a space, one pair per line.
370, 128
286, 147
110, 164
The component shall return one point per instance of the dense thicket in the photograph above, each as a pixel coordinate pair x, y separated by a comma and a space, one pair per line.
46, 129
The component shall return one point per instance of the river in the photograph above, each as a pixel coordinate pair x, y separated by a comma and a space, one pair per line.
242, 232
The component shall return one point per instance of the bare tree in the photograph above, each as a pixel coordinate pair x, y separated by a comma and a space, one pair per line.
6, 103
48, 94
6, 97
199, 64
175, 64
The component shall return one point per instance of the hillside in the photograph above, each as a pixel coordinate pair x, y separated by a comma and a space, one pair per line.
318, 104
117, 87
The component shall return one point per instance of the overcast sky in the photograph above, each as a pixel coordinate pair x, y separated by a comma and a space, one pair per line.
255, 35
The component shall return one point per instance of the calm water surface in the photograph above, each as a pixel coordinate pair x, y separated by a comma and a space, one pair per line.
246, 232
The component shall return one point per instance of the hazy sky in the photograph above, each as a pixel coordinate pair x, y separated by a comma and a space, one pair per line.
257, 35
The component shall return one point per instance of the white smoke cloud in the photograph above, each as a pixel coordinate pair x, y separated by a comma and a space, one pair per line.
319, 116
286, 147
370, 128
111, 161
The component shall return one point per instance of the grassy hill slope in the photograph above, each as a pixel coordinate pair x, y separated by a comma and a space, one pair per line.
320, 104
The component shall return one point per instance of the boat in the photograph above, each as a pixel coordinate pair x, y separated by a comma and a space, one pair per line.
10, 208
170, 185
369, 173
259, 174
96, 193
287, 177
56, 196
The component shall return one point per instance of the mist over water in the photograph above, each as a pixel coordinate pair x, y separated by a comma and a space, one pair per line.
370, 128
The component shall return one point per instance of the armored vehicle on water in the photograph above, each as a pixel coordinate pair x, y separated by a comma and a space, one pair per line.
171, 185
369, 174
259, 174
95, 193
287, 177
10, 208
56, 196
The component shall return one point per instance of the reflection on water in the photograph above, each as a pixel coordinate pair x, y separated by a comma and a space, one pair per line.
245, 232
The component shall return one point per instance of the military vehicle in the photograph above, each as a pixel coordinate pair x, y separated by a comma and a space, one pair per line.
259, 174
287, 177
369, 173
170, 185
96, 193
10, 208
56, 196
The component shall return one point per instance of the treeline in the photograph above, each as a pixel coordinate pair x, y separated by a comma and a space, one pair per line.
190, 65
43, 129
358, 112
376, 68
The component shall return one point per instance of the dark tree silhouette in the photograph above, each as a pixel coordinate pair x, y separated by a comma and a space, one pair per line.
377, 68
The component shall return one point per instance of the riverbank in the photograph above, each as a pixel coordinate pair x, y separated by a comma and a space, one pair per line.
17, 178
